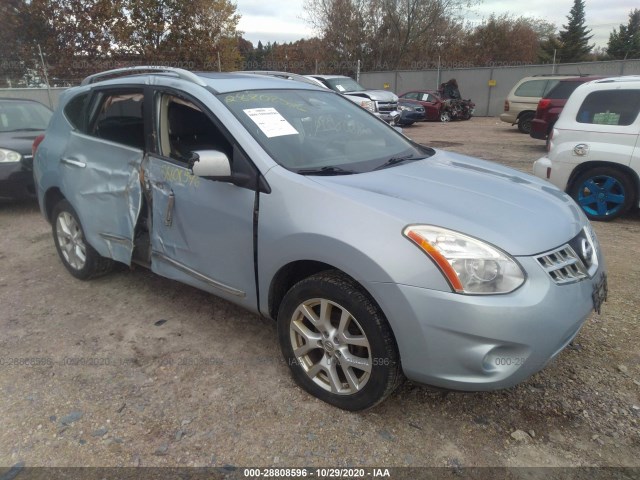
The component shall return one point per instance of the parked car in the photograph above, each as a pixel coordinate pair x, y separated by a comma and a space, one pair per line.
21, 121
411, 112
382, 103
522, 101
378, 257
594, 147
431, 101
550, 106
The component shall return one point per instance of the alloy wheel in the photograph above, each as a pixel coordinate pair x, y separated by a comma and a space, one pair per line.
331, 346
71, 241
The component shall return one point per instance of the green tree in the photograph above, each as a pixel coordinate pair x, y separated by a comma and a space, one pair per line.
625, 43
575, 36
549, 50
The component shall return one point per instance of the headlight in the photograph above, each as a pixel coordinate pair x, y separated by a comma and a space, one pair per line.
8, 156
368, 105
470, 265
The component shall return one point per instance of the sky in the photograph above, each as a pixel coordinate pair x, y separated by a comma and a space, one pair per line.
283, 21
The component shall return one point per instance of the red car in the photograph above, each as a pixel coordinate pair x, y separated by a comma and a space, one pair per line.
549, 107
430, 100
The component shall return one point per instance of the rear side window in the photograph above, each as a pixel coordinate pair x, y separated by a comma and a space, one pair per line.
610, 107
532, 88
119, 119
75, 112
563, 90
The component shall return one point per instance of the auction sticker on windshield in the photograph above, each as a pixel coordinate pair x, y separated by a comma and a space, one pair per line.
271, 122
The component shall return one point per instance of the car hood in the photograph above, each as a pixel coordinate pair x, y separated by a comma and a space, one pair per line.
377, 95
19, 141
514, 211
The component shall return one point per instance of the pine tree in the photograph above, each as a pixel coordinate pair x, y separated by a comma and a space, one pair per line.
626, 43
575, 36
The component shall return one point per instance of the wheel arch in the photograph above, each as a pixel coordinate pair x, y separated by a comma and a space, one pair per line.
525, 112
293, 272
583, 167
51, 198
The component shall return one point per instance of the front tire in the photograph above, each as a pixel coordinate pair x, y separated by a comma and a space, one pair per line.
337, 342
445, 116
604, 193
79, 258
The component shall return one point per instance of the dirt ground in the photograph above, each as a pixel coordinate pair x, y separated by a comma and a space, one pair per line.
133, 369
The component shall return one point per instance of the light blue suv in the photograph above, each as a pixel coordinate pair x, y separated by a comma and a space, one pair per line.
378, 257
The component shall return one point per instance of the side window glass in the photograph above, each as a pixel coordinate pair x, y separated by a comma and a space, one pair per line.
120, 119
610, 107
75, 112
549, 87
532, 88
411, 95
184, 128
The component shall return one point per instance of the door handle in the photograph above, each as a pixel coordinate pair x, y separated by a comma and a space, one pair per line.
73, 162
168, 216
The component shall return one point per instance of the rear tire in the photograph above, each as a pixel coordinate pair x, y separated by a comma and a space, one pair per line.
524, 122
337, 342
78, 257
603, 193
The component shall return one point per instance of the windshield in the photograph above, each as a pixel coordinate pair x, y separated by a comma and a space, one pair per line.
319, 132
344, 85
23, 116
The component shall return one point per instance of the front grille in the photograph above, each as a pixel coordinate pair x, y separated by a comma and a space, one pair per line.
387, 106
563, 265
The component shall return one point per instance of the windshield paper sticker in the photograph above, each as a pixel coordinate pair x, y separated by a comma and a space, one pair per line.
270, 122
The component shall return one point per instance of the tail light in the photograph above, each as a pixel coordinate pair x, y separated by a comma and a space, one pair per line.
506, 105
36, 144
544, 104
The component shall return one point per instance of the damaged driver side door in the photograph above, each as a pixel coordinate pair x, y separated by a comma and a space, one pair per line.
201, 229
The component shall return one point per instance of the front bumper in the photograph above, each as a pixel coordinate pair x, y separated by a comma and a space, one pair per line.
408, 116
476, 343
389, 117
16, 182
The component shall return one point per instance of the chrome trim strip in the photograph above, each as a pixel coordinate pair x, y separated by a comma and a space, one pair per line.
199, 276
73, 162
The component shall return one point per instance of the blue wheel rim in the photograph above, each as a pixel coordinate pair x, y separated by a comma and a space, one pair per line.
601, 196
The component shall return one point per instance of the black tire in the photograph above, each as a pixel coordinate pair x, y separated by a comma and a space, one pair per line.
365, 324
445, 116
524, 122
603, 193
69, 244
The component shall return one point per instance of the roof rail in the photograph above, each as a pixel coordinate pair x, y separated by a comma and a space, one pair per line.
285, 75
561, 74
179, 72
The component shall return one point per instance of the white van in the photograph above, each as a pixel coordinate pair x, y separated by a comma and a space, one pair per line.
594, 152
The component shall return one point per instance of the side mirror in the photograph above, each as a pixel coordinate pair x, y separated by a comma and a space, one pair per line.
212, 164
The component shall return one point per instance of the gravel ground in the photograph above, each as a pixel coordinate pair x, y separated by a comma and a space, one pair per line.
133, 369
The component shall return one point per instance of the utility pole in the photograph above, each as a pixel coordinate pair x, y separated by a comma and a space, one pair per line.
46, 77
